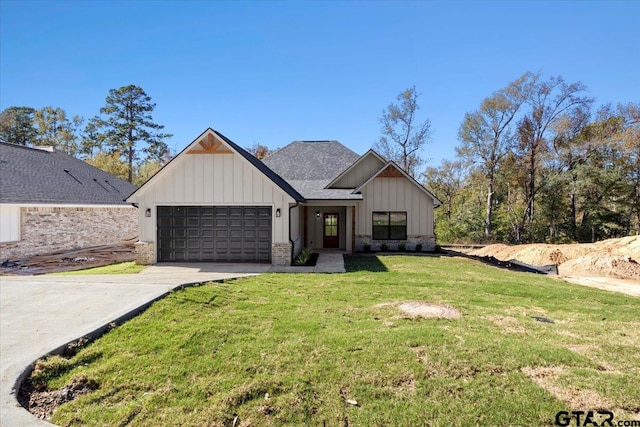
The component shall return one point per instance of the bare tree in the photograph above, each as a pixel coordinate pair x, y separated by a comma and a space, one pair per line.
402, 135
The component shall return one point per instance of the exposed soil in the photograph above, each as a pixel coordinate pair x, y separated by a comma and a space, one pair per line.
428, 310
43, 403
611, 260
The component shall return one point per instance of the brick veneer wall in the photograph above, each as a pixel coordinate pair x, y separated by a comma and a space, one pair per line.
145, 253
49, 229
281, 254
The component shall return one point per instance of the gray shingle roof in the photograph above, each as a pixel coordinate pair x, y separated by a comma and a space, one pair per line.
30, 175
310, 165
272, 175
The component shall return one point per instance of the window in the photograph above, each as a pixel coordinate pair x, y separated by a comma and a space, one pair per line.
389, 226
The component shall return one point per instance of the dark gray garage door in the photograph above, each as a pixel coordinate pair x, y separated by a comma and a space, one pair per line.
214, 233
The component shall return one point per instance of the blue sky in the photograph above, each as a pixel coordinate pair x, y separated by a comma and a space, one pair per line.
274, 72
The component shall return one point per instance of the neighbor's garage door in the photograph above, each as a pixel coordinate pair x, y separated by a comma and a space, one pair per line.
214, 233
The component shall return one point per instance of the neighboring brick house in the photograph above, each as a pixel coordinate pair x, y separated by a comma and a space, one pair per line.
216, 202
50, 201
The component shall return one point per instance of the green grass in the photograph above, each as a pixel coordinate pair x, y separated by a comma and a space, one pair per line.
206, 355
120, 268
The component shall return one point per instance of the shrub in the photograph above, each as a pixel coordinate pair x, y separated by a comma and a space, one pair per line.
367, 248
384, 247
305, 255
402, 247
419, 247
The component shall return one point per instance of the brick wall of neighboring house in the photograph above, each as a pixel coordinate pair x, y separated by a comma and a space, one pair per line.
49, 229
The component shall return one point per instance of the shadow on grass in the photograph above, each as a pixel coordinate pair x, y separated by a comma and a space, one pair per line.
363, 263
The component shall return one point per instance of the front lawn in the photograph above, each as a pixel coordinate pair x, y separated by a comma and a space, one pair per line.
317, 349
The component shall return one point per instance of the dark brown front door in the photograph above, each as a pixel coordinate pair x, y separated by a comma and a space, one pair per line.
330, 231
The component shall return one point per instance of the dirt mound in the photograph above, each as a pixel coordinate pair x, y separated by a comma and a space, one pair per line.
617, 266
617, 258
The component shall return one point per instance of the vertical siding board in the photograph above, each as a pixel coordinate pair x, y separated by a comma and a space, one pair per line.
247, 182
258, 194
267, 191
201, 182
227, 178
238, 178
217, 179
208, 179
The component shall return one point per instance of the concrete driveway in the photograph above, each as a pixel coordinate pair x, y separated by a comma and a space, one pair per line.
39, 314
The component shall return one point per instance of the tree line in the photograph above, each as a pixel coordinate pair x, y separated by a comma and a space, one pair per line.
123, 139
535, 162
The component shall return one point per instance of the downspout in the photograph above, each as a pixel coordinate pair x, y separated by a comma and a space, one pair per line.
290, 239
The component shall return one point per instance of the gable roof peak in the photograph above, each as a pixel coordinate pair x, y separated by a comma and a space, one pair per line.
233, 148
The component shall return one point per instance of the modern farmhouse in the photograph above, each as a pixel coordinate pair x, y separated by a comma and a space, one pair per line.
216, 202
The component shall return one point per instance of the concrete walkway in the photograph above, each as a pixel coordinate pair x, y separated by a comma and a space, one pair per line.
41, 314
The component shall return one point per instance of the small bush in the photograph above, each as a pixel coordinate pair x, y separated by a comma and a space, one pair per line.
384, 247
367, 248
419, 247
303, 258
402, 247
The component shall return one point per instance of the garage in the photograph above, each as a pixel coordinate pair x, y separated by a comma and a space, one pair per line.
214, 233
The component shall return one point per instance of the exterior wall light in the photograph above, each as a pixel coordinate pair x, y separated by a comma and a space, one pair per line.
317, 214
278, 213
147, 213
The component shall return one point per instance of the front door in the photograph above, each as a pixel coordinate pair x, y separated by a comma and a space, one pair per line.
330, 231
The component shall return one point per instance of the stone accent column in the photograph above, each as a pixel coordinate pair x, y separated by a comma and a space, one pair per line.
281, 254
145, 253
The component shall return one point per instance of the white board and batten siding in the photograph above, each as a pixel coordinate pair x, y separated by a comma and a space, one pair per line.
395, 195
213, 180
366, 167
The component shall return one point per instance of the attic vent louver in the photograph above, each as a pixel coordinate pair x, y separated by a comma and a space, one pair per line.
69, 173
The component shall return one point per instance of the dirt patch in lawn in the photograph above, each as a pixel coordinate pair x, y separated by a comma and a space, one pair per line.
43, 403
507, 323
428, 310
548, 379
